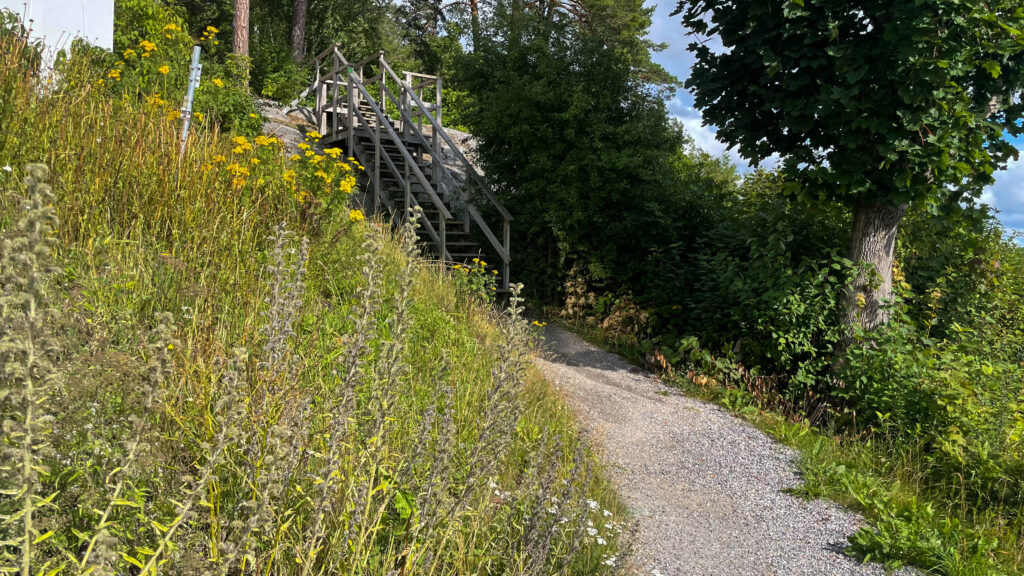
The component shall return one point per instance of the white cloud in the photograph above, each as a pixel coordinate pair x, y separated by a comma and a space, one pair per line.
1007, 195
706, 139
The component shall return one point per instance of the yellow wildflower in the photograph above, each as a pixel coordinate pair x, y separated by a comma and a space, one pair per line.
254, 161
199, 116
174, 114
310, 153
333, 152
218, 158
303, 146
147, 46
115, 74
129, 53
313, 135
212, 30
295, 157
218, 82
356, 215
145, 54
251, 115
164, 69
861, 300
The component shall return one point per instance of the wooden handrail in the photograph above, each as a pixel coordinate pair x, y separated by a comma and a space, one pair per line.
455, 149
410, 104
405, 152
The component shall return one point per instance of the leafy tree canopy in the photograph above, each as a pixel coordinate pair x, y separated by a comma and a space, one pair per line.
869, 99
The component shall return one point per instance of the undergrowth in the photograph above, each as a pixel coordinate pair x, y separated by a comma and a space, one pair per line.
211, 366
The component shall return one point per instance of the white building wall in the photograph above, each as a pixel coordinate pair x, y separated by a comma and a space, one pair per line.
57, 22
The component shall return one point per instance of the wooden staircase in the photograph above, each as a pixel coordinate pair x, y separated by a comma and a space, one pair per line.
392, 126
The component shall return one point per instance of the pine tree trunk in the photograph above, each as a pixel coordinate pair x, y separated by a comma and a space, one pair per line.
299, 10
474, 12
241, 39
875, 225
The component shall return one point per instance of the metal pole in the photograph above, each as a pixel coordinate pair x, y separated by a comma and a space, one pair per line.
194, 75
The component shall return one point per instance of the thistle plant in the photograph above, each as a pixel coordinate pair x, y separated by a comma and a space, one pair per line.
27, 373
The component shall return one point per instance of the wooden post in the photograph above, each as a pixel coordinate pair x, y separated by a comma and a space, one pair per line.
351, 114
440, 120
376, 168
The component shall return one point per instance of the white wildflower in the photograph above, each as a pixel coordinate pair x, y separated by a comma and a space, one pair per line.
611, 560
592, 531
601, 541
593, 504
606, 513
7, 168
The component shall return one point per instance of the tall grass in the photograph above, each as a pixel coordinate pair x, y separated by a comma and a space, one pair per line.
201, 377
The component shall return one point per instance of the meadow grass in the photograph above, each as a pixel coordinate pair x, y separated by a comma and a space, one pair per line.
236, 378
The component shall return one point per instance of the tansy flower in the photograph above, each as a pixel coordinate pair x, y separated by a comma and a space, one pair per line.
356, 215
164, 69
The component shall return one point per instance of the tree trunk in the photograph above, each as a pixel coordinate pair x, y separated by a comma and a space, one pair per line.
299, 10
875, 225
241, 39
474, 13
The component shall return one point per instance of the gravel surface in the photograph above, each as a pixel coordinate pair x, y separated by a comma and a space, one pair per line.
705, 488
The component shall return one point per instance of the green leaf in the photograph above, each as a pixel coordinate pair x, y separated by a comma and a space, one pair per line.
993, 68
131, 560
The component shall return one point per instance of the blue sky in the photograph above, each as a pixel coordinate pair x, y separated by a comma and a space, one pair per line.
1007, 195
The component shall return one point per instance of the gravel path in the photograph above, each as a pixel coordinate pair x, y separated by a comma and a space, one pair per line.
705, 487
